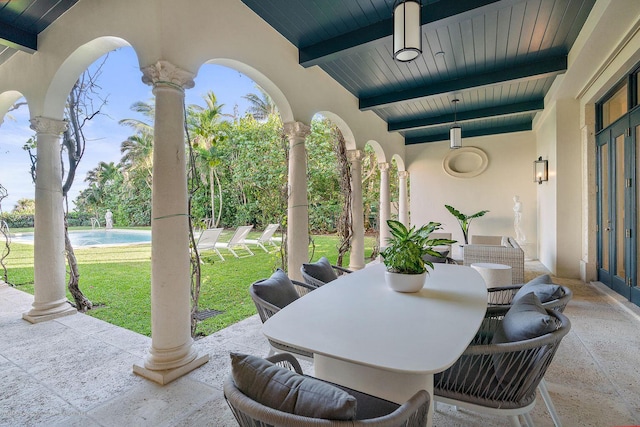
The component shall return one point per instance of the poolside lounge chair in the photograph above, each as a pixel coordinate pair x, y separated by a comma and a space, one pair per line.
208, 239
237, 240
265, 238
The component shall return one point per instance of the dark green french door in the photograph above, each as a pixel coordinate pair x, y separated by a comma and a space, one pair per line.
618, 196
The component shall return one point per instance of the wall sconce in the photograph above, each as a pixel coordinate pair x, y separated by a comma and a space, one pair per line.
455, 132
407, 34
540, 170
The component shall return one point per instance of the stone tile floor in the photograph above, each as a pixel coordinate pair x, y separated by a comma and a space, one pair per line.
77, 370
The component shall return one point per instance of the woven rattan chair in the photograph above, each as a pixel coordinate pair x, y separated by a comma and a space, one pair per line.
312, 278
476, 381
500, 300
266, 309
508, 255
250, 413
502, 297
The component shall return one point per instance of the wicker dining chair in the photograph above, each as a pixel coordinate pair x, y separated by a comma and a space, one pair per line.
370, 410
273, 294
552, 296
501, 378
321, 272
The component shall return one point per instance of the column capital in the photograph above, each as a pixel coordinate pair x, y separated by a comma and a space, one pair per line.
403, 174
383, 166
355, 155
47, 126
165, 73
296, 129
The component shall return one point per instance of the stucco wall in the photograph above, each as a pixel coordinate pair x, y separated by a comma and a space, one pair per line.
547, 195
510, 173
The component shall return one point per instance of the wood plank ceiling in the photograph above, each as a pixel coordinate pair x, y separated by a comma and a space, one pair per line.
22, 20
498, 57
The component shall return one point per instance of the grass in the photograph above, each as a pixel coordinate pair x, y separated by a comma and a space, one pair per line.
117, 280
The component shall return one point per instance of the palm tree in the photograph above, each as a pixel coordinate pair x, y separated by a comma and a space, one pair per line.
100, 179
103, 174
25, 206
262, 106
137, 157
209, 133
147, 109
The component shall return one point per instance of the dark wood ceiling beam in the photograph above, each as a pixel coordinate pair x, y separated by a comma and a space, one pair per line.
330, 49
468, 116
16, 38
528, 71
469, 134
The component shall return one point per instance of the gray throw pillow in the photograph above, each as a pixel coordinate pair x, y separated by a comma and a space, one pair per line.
321, 270
277, 289
543, 287
288, 391
526, 319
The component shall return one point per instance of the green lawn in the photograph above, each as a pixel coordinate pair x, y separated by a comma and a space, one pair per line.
117, 280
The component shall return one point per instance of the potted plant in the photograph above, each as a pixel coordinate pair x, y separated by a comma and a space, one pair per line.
403, 257
464, 220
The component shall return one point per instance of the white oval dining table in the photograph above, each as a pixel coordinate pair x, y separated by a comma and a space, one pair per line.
365, 336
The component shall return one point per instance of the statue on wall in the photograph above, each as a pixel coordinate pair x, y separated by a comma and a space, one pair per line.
517, 220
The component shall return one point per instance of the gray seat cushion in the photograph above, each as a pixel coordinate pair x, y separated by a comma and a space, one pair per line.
543, 287
288, 391
277, 289
321, 270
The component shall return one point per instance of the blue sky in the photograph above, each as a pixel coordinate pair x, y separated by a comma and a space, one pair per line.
121, 80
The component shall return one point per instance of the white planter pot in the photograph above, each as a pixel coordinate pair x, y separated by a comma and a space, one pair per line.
405, 282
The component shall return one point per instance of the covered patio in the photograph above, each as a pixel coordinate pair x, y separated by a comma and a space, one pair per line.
564, 79
75, 370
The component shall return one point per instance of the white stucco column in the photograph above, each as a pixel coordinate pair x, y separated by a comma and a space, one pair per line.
356, 256
385, 206
50, 299
298, 204
403, 198
171, 354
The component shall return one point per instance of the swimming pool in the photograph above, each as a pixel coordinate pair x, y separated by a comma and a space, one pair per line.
85, 238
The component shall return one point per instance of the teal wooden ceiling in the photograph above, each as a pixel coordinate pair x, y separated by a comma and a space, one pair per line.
498, 57
22, 20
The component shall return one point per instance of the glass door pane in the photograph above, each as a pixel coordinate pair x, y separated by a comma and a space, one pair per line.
619, 226
604, 223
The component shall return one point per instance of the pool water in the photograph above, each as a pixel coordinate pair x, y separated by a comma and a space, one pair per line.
96, 237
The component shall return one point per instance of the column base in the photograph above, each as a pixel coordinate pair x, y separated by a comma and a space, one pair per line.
37, 315
166, 376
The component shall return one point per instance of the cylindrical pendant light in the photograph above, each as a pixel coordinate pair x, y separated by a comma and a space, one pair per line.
407, 36
455, 132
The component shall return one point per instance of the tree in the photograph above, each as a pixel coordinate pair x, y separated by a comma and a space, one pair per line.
80, 110
209, 133
136, 162
261, 105
345, 224
25, 206
4, 231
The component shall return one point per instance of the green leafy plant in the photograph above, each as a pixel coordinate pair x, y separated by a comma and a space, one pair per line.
464, 220
406, 248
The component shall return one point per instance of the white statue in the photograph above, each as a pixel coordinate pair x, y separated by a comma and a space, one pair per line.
517, 220
108, 217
